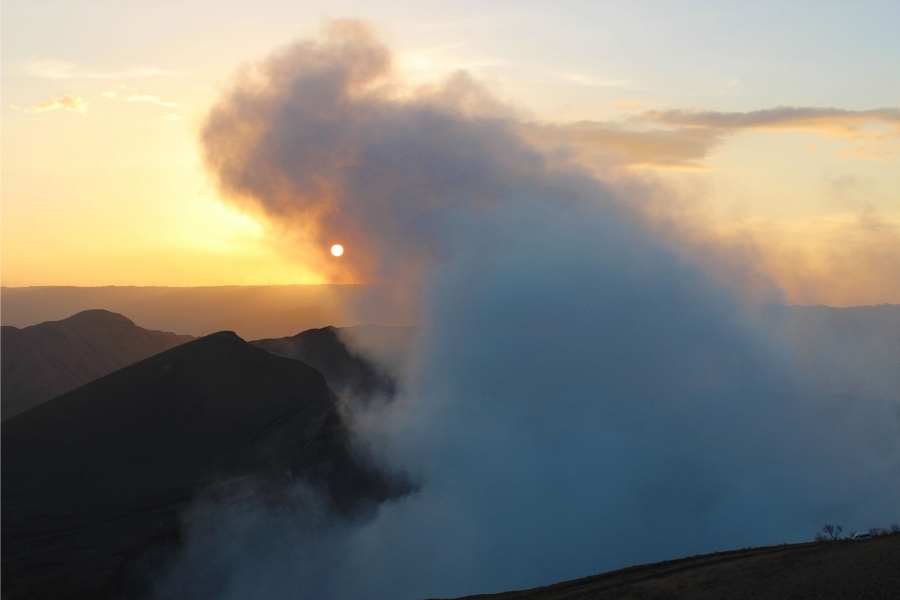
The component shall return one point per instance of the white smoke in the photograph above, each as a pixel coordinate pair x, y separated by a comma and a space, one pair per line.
590, 390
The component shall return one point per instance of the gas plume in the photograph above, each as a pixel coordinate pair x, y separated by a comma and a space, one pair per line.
591, 386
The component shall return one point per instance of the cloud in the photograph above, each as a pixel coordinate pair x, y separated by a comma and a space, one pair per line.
126, 93
62, 70
442, 58
683, 139
591, 387
66, 102
834, 121
604, 144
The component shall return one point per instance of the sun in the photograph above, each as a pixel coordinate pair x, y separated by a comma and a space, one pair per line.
337, 250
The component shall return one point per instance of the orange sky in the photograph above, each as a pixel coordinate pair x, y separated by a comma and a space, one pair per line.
103, 181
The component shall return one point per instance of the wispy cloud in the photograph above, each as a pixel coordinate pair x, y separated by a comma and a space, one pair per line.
444, 58
604, 144
127, 93
64, 70
826, 120
65, 102
682, 139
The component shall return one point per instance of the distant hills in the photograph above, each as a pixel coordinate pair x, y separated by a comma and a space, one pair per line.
45, 360
251, 311
95, 479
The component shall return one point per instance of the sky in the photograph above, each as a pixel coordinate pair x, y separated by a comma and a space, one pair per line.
774, 122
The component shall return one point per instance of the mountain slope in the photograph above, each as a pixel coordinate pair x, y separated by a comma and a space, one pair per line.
348, 372
99, 473
820, 571
48, 359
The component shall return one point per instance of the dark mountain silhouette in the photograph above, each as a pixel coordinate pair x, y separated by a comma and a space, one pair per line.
253, 311
820, 571
48, 359
348, 372
96, 478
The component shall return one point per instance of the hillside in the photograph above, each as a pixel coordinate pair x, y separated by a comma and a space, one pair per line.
51, 358
97, 477
348, 373
815, 571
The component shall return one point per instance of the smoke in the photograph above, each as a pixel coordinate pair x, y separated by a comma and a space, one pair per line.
852, 261
322, 140
591, 385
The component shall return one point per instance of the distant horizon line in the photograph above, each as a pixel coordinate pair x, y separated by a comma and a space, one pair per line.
224, 285
344, 285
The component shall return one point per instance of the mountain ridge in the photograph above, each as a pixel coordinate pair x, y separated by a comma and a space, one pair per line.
106, 470
350, 373
47, 359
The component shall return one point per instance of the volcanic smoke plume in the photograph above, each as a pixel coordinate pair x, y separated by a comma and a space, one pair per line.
588, 391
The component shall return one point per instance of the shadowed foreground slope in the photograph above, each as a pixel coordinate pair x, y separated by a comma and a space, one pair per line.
48, 359
821, 571
93, 478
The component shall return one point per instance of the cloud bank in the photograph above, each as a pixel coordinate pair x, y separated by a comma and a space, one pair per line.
590, 389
